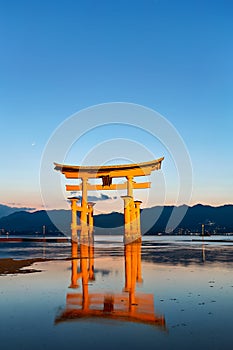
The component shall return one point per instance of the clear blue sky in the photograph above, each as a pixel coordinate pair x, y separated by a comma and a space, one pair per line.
58, 57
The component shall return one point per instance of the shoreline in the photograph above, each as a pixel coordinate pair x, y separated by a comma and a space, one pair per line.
35, 239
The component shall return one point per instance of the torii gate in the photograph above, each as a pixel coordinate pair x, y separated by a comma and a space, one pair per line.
107, 174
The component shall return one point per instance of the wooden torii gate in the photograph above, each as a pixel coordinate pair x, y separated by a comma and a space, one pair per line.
107, 174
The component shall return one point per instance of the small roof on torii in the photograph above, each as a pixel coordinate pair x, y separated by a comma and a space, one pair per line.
96, 171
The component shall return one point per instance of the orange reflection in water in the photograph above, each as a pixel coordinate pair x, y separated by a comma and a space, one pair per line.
126, 306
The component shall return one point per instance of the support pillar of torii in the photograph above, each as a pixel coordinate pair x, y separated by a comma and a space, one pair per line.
86, 226
107, 174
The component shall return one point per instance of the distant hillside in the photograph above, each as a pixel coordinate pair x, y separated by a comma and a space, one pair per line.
6, 210
24, 222
153, 220
216, 219
112, 223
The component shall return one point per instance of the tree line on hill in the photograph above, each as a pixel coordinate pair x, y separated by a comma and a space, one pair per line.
153, 221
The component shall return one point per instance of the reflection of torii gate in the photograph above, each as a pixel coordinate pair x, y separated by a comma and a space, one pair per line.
126, 306
107, 173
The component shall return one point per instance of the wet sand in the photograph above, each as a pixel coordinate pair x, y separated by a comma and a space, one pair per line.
11, 266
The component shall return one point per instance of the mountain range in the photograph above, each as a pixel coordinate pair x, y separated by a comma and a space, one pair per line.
7, 210
153, 220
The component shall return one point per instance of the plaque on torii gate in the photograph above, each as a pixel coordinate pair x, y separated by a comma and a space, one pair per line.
107, 173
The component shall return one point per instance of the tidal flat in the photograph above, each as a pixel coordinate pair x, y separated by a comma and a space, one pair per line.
165, 292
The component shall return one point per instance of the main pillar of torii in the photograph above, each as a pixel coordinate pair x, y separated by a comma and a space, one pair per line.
107, 174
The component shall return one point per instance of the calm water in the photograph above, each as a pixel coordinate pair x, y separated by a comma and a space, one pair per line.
166, 292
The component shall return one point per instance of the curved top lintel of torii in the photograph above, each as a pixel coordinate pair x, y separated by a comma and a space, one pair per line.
123, 170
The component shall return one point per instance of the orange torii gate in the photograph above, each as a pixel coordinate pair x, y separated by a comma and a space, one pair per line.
107, 173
